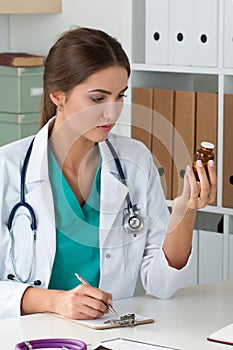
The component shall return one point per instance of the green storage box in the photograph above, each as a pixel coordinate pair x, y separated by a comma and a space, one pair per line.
16, 126
21, 89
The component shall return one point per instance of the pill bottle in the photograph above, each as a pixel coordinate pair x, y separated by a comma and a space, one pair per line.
205, 152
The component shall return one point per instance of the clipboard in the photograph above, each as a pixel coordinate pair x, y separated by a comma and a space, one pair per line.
104, 322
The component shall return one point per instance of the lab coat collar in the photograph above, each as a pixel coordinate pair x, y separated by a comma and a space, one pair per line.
38, 163
113, 193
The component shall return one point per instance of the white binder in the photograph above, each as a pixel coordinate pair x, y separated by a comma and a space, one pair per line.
156, 31
180, 32
205, 33
228, 34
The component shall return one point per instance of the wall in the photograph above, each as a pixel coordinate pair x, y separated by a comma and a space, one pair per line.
36, 33
4, 33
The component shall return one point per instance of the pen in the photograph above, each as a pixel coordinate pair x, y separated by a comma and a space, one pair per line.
83, 281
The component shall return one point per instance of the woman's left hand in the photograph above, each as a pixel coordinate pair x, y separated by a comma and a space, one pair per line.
195, 195
198, 194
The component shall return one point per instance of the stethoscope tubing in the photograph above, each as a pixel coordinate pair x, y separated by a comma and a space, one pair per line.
120, 171
62, 343
22, 202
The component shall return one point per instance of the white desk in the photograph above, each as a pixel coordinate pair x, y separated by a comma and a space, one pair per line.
183, 322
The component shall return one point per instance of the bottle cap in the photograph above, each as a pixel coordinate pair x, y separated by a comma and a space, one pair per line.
207, 145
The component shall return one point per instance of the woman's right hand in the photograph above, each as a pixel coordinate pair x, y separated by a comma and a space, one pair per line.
82, 302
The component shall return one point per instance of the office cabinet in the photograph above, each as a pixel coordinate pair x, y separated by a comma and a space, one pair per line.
231, 256
213, 77
210, 257
29, 6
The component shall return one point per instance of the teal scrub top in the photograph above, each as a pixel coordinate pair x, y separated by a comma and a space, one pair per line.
77, 231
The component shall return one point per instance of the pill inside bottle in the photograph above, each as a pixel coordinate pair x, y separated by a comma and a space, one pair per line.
204, 153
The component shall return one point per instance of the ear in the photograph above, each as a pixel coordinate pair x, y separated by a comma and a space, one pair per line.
58, 98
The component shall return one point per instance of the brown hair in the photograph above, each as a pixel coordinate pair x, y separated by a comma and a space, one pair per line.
76, 55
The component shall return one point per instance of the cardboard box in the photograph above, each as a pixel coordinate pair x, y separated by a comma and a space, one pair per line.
16, 126
20, 89
227, 193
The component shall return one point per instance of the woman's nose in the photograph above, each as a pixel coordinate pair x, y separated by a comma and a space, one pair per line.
112, 111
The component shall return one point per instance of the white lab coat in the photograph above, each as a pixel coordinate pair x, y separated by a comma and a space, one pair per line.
122, 255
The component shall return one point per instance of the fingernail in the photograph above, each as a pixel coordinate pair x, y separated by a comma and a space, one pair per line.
188, 168
109, 302
199, 163
211, 163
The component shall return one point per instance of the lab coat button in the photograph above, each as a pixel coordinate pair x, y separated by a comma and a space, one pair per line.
108, 256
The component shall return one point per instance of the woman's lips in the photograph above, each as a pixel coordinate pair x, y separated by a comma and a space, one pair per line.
105, 128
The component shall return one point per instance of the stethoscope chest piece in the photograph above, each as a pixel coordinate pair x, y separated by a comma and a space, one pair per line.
132, 222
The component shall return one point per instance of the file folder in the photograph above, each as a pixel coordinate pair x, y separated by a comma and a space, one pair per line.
162, 136
180, 32
227, 192
228, 34
184, 131
207, 120
205, 33
156, 31
142, 115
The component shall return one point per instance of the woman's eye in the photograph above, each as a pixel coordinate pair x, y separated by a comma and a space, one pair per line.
97, 98
121, 96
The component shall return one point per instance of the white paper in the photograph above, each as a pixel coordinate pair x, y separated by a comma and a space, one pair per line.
125, 344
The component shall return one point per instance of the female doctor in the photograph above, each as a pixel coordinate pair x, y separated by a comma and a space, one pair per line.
78, 210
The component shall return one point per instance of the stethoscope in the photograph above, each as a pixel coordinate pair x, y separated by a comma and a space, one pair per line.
69, 344
23, 203
132, 221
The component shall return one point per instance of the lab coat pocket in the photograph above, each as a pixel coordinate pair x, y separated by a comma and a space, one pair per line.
134, 246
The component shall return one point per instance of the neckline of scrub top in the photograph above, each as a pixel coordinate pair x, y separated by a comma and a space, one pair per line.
77, 238
61, 182
67, 208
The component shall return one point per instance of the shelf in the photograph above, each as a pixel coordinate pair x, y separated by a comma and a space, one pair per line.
173, 69
210, 209
29, 6
144, 67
